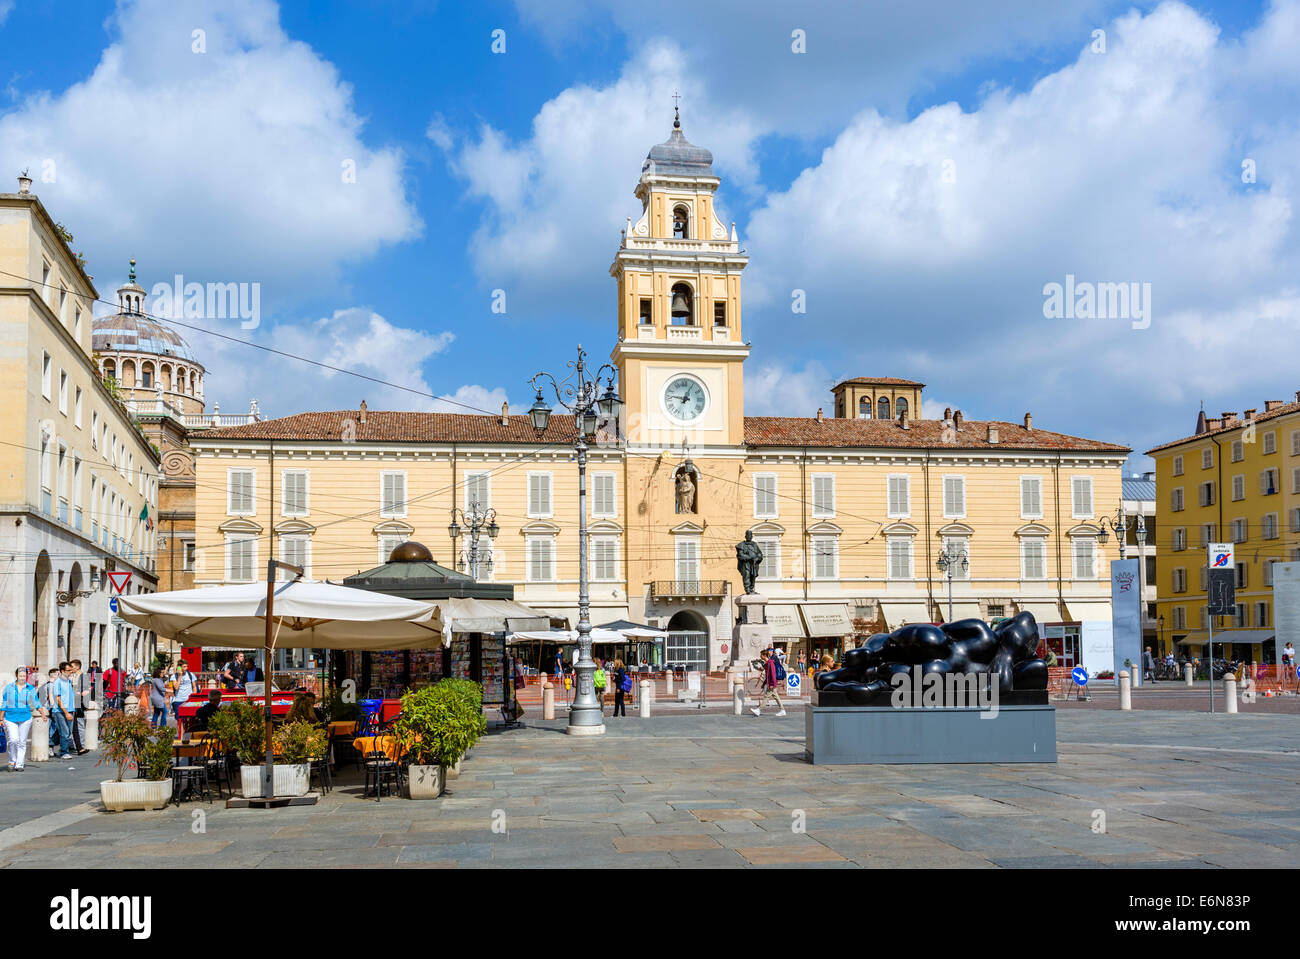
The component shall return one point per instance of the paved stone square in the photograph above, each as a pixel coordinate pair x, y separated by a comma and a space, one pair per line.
1177, 789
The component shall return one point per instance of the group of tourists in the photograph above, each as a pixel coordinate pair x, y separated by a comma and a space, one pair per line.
61, 698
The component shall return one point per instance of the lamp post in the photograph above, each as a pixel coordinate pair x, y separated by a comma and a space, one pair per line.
477, 521
580, 394
1119, 525
952, 557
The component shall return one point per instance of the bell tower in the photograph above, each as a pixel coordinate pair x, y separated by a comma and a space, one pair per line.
680, 352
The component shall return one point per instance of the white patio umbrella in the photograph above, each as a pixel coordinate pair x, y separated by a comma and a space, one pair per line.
317, 615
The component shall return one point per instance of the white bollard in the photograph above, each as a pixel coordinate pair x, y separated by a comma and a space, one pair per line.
1230, 691
1188, 675
668, 677
548, 700
39, 750
643, 703
738, 699
91, 738
1125, 691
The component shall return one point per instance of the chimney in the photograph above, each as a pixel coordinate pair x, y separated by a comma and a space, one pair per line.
819, 414
1213, 424
363, 411
1229, 418
1270, 405
1297, 396
24, 183
902, 420
956, 420
1029, 421
1248, 415
947, 413
505, 413
993, 434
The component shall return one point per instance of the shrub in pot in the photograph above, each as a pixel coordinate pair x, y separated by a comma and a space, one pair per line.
296, 745
436, 726
241, 727
127, 739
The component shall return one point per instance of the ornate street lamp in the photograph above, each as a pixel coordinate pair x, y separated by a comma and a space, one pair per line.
1119, 525
580, 393
477, 521
952, 557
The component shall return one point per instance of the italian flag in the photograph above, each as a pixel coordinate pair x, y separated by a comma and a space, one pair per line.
144, 515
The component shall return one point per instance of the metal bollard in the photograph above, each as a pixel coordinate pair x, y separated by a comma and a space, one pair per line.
548, 700
1125, 692
738, 699
91, 738
643, 703
1188, 674
39, 750
1230, 691
668, 676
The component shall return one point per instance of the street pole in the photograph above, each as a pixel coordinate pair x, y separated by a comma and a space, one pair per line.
1210, 619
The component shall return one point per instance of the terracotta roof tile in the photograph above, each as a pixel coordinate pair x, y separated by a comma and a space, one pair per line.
1275, 412
414, 427
878, 380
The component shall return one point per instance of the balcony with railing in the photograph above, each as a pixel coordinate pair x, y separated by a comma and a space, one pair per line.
688, 588
195, 421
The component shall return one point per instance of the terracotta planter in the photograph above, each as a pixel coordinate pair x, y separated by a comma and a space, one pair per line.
135, 794
426, 782
292, 780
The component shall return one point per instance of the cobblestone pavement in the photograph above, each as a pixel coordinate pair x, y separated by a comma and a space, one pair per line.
1177, 789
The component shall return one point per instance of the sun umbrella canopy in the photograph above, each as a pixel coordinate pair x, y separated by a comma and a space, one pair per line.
564, 637
307, 615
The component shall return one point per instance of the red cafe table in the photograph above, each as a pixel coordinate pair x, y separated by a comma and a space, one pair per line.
281, 703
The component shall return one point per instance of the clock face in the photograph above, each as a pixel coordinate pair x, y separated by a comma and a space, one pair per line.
684, 399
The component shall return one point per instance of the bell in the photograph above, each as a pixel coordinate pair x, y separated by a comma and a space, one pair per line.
680, 306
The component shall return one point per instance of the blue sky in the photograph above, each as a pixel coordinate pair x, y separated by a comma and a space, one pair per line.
479, 171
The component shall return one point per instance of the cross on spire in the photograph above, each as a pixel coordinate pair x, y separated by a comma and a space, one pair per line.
677, 120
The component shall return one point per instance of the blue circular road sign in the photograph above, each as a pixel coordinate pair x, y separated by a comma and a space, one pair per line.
1079, 675
112, 604
792, 680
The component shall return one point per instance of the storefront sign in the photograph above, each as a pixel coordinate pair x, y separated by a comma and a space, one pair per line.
785, 622
828, 620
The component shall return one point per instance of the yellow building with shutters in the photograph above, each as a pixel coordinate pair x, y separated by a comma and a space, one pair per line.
1236, 479
851, 510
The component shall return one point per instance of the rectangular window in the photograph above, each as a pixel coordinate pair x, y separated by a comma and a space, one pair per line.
1081, 496
958, 546
46, 375
1238, 487
1180, 617
1269, 527
954, 497
295, 550
239, 492
1270, 441
1243, 576
1208, 533
1268, 571
770, 568
478, 490
1206, 493
603, 502
76, 326
823, 490
687, 559
76, 408
187, 555
1295, 442
387, 543
1238, 451
94, 429
1261, 614
1180, 579
1180, 538
392, 493
1239, 615
1176, 499
604, 558
826, 557
1207, 458
541, 559
1295, 520
900, 497
1295, 480
900, 557
1238, 527
1269, 482
647, 315
1204, 578
719, 312
539, 495
765, 496
294, 498
1031, 497
241, 558
1085, 558
1178, 466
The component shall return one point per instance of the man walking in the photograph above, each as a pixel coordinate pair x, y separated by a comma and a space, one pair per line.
63, 708
113, 678
770, 682
83, 691
1148, 666
17, 703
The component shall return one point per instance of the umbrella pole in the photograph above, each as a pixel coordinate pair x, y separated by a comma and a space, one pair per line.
269, 788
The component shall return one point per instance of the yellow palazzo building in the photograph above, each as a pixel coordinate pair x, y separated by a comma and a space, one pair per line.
851, 510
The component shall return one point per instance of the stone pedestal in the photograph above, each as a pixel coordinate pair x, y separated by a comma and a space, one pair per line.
858, 735
751, 634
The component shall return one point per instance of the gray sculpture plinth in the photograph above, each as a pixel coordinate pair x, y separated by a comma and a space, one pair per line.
851, 735
751, 634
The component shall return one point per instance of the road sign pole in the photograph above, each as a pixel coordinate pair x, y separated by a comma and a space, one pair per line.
1210, 620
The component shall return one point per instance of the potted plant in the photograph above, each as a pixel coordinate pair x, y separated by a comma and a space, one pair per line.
436, 726
298, 743
128, 740
241, 727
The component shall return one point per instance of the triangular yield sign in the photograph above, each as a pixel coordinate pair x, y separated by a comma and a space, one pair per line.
119, 580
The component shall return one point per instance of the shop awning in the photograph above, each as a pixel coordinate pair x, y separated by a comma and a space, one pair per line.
785, 621
468, 615
597, 614
1243, 636
1086, 610
899, 612
564, 637
827, 619
1195, 639
1043, 610
961, 609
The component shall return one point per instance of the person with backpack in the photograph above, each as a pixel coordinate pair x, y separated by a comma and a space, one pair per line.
771, 667
598, 678
622, 686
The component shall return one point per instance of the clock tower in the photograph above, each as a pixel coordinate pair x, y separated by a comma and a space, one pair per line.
679, 352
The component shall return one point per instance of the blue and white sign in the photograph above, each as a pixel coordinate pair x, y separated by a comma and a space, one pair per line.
1079, 675
791, 683
112, 604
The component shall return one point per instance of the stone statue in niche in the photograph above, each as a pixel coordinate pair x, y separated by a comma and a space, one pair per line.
686, 491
